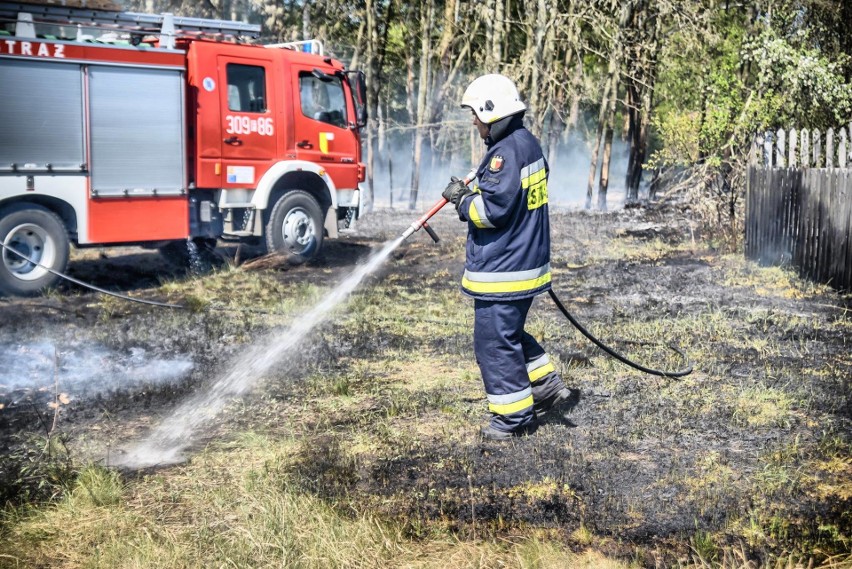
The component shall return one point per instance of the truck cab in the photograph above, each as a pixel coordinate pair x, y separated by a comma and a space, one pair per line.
273, 125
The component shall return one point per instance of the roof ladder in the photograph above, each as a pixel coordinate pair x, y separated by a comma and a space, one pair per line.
167, 26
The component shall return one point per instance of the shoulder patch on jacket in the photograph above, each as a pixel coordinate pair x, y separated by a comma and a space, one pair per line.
496, 164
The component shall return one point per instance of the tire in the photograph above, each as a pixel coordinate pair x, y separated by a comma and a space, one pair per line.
294, 228
40, 235
202, 259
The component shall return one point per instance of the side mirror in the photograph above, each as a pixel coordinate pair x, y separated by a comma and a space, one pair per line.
358, 86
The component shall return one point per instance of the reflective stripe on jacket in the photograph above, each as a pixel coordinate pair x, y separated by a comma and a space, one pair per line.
508, 242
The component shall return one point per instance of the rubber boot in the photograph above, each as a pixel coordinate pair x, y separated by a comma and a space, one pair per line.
552, 402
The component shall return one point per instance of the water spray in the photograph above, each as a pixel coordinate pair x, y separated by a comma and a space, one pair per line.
168, 442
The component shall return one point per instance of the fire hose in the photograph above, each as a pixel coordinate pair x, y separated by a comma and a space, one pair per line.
119, 295
422, 222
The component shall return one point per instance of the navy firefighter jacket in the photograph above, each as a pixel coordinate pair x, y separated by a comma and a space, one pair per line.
508, 241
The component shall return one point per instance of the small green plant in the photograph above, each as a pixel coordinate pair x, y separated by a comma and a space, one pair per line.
342, 386
704, 548
109, 308
196, 303
37, 469
583, 535
98, 486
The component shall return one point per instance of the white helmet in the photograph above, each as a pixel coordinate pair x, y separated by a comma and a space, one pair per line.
493, 97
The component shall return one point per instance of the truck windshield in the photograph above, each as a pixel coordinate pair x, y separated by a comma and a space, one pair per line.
323, 100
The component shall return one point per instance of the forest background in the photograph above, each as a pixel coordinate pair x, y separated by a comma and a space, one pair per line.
626, 96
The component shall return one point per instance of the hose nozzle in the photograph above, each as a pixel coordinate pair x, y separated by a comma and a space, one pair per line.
422, 222
409, 232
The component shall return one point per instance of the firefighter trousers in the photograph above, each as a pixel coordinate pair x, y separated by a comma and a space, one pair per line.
516, 371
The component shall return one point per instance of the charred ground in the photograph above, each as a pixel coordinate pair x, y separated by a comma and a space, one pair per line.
383, 403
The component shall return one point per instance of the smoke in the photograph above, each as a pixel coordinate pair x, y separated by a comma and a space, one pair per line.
81, 370
567, 184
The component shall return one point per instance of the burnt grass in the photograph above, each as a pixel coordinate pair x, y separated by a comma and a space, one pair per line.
751, 449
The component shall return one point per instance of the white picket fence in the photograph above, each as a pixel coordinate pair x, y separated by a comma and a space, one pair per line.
803, 148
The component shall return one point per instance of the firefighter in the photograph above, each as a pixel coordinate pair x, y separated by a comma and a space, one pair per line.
508, 259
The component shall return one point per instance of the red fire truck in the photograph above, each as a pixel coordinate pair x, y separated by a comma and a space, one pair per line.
164, 131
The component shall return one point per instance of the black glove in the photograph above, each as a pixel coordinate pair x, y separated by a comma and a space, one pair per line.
455, 191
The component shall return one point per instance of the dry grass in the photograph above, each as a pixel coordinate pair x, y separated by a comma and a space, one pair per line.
236, 507
391, 387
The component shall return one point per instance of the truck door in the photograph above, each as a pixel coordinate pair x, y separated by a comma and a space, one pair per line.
323, 117
248, 111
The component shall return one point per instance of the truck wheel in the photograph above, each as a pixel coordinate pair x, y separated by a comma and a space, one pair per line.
39, 235
295, 227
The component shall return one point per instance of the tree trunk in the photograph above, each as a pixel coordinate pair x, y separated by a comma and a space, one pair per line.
359, 45
614, 67
499, 35
373, 62
306, 21
447, 64
487, 17
492, 15
574, 113
602, 115
644, 128
536, 91
411, 95
553, 138
411, 99
372, 99
426, 17
381, 134
573, 57
647, 104
604, 182
634, 162
654, 185
607, 151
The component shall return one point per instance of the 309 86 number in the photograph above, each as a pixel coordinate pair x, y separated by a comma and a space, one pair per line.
240, 124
